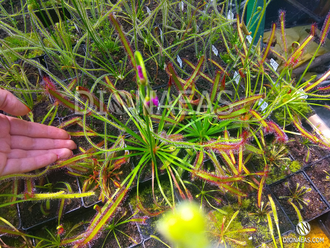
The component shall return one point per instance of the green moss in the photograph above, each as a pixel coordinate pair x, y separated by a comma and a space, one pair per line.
216, 221
18, 42
295, 166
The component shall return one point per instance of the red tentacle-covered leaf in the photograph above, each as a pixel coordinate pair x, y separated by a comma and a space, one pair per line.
99, 221
219, 66
304, 132
199, 160
219, 180
240, 35
201, 73
270, 41
324, 77
123, 39
224, 146
298, 53
325, 29
69, 104
85, 93
282, 22
280, 135
194, 75
172, 73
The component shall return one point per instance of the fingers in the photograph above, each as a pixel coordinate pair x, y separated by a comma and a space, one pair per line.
18, 153
11, 105
15, 165
35, 130
27, 143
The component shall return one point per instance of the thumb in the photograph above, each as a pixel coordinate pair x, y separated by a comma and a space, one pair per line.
11, 105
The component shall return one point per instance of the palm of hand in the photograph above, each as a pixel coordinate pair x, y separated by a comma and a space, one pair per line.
26, 146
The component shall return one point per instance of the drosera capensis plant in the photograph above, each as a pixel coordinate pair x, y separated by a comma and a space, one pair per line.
173, 137
156, 148
297, 195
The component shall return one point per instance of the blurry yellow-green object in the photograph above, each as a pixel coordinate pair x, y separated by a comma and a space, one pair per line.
297, 34
185, 226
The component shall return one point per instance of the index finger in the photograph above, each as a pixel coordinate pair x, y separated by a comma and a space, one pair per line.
35, 130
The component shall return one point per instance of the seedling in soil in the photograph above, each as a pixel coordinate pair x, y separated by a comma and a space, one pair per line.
297, 195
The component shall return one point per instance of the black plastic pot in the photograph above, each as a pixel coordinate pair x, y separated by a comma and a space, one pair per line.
28, 210
279, 189
49, 17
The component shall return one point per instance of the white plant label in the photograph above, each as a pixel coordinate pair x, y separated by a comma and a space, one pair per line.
236, 77
148, 10
230, 15
179, 60
215, 50
249, 38
274, 64
263, 105
302, 94
182, 5
161, 34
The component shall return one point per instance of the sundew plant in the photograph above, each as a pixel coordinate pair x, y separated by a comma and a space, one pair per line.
167, 134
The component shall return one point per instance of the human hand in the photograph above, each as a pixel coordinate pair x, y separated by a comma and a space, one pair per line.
26, 146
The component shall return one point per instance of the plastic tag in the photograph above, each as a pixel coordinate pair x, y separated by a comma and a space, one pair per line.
274, 64
161, 35
230, 15
236, 77
215, 50
249, 38
182, 5
148, 10
179, 60
263, 105
302, 94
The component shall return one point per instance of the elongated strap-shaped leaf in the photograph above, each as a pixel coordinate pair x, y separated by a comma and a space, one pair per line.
300, 218
72, 84
170, 70
226, 136
240, 159
280, 135
201, 73
274, 211
61, 195
64, 101
101, 218
219, 66
235, 114
282, 23
199, 160
324, 77
245, 101
304, 132
229, 162
123, 39
215, 86
260, 119
325, 29
72, 160
240, 35
270, 41
261, 187
271, 229
86, 92
223, 146
299, 50
70, 122
217, 179
193, 76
